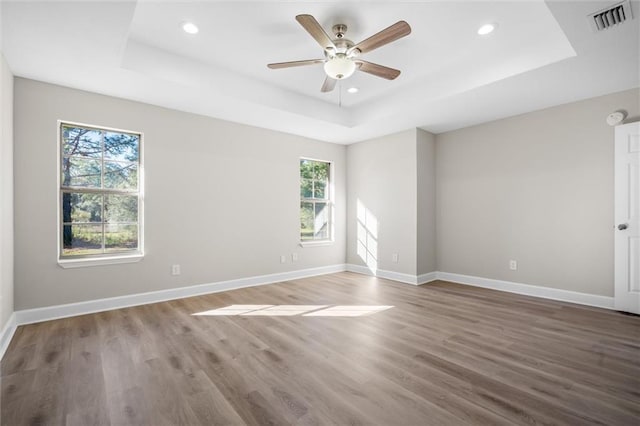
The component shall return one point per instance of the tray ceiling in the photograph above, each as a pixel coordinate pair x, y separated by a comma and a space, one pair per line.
542, 54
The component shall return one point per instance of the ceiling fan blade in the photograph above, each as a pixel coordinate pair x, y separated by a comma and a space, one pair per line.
328, 85
291, 64
378, 70
312, 26
386, 36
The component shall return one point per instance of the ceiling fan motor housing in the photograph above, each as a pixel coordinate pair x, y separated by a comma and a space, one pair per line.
341, 45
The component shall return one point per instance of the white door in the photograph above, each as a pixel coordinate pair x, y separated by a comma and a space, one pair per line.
627, 216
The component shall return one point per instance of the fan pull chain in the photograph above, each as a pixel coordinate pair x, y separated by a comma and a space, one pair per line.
340, 93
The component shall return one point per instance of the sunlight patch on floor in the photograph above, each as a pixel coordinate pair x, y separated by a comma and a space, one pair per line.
286, 310
348, 311
234, 310
292, 310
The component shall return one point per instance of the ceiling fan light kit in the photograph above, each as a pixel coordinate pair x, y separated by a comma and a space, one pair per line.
341, 56
339, 67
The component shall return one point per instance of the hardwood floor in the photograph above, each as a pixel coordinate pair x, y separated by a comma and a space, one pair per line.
444, 354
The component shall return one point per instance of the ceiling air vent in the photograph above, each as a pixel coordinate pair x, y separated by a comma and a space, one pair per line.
610, 17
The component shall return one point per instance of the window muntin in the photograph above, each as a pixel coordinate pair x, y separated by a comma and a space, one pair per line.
100, 194
315, 200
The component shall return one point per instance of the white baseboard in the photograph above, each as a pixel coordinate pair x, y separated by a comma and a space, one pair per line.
530, 290
394, 276
28, 316
7, 334
508, 286
427, 278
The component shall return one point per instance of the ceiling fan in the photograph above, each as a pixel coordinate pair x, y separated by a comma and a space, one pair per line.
341, 55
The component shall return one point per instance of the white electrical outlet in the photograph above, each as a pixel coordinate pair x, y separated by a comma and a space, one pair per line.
283, 259
394, 257
294, 257
175, 269
513, 265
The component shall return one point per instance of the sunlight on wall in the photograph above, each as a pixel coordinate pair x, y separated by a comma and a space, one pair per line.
367, 236
291, 310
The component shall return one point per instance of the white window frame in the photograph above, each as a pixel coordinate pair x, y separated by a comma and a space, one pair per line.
330, 203
78, 261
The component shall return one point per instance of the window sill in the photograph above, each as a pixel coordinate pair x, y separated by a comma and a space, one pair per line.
316, 243
81, 263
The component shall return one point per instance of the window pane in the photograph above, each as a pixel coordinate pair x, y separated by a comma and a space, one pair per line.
121, 146
78, 207
314, 185
306, 221
321, 170
320, 189
120, 175
322, 234
306, 188
81, 142
121, 208
81, 239
321, 221
121, 237
306, 169
80, 172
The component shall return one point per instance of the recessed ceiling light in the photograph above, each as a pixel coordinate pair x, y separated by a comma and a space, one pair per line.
352, 90
487, 29
190, 28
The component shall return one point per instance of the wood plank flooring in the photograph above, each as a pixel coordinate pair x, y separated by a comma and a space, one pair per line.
444, 354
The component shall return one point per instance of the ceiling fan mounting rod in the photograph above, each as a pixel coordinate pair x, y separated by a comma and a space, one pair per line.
339, 30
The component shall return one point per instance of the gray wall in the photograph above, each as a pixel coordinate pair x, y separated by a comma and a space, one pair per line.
381, 175
536, 188
6, 192
221, 199
426, 199
393, 177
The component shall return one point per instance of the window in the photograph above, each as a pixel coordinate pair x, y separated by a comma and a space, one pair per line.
100, 193
315, 201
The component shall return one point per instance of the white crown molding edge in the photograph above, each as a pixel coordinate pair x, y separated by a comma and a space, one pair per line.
7, 333
29, 316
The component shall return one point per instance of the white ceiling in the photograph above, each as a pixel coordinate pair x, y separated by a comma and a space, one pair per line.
542, 54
